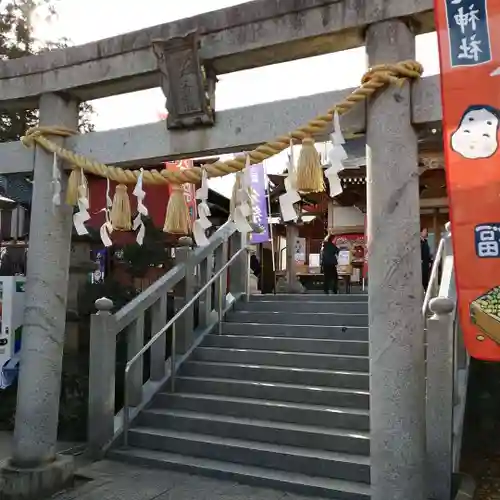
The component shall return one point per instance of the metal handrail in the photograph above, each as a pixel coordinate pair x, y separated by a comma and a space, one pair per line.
171, 323
434, 275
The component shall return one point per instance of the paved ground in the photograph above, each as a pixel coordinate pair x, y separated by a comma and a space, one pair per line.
116, 481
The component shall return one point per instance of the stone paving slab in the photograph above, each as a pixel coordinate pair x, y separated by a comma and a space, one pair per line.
117, 481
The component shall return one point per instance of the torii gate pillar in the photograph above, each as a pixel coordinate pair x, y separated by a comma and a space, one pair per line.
34, 469
397, 369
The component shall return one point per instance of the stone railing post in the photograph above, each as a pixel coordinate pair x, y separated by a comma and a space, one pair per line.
439, 408
221, 255
205, 304
158, 349
102, 365
183, 294
135, 342
238, 271
397, 363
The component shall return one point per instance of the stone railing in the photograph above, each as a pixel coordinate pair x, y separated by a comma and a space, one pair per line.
447, 374
145, 316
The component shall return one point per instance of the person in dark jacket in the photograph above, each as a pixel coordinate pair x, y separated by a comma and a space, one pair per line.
256, 269
255, 265
329, 253
426, 258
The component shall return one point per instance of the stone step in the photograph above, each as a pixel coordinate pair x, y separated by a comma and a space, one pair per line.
287, 458
282, 358
261, 409
252, 475
270, 374
289, 344
313, 395
313, 297
278, 433
304, 306
298, 318
261, 328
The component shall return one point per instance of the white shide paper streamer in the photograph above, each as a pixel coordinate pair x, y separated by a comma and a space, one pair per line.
202, 223
107, 228
291, 196
56, 183
336, 156
290, 181
82, 216
243, 208
142, 210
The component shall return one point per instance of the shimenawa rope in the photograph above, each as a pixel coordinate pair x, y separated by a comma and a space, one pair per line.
373, 80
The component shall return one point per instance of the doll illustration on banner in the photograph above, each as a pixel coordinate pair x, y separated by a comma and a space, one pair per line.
477, 134
485, 314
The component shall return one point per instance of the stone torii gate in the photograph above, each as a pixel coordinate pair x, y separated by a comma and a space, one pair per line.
251, 35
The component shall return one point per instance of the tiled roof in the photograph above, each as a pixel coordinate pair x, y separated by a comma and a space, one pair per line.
17, 187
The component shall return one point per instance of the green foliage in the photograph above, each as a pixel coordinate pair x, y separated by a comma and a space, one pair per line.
73, 404
17, 40
152, 253
110, 288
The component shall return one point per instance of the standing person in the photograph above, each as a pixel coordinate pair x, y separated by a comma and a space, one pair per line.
255, 266
329, 252
426, 257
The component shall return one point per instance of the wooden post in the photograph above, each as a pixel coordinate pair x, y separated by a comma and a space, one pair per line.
436, 229
397, 368
292, 284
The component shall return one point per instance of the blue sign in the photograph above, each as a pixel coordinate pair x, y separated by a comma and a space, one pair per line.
468, 32
487, 240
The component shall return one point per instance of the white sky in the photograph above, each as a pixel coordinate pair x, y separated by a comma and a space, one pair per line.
84, 21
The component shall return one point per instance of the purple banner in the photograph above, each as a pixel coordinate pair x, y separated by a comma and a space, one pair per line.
259, 204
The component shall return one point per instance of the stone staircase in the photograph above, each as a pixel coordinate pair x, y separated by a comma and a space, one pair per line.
279, 399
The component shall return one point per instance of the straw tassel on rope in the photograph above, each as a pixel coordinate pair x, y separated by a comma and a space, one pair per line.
177, 218
75, 181
309, 174
121, 214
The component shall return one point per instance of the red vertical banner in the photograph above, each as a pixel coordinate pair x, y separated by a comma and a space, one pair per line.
469, 50
189, 189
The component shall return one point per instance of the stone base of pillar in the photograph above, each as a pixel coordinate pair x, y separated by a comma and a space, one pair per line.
40, 482
283, 286
465, 487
